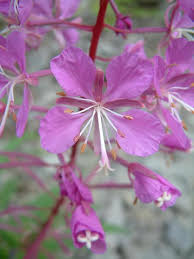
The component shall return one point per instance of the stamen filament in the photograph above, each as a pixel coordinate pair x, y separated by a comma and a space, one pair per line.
84, 110
110, 122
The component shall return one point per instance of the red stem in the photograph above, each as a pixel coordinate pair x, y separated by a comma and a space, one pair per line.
98, 28
32, 251
60, 22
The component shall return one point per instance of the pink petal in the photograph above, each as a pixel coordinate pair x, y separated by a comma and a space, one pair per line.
142, 134
137, 48
180, 52
74, 71
24, 9
68, 8
175, 127
43, 8
160, 68
71, 36
58, 129
173, 144
22, 116
16, 46
128, 76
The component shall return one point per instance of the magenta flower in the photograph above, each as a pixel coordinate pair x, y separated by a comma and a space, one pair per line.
174, 85
151, 187
87, 230
123, 22
43, 10
17, 11
73, 187
12, 53
128, 76
180, 25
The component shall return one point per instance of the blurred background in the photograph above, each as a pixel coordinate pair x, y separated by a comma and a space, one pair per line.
132, 232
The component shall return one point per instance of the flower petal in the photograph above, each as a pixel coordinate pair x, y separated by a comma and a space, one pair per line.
68, 8
175, 127
24, 9
128, 76
141, 135
22, 115
58, 129
74, 71
16, 46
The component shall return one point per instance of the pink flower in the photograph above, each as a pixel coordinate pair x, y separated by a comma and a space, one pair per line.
128, 76
43, 10
174, 86
87, 230
73, 187
17, 11
12, 53
151, 187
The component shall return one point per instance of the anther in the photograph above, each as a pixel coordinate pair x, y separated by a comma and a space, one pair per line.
83, 147
114, 154
118, 145
173, 105
192, 84
61, 94
135, 201
14, 117
184, 125
68, 110
128, 117
121, 134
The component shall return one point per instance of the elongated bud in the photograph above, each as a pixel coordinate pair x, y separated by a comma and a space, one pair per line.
98, 85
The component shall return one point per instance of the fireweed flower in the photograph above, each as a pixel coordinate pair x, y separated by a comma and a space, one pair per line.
43, 10
151, 187
180, 25
174, 84
17, 11
12, 74
72, 187
128, 76
87, 230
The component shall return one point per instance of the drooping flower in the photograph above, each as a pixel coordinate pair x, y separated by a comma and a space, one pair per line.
128, 76
151, 187
73, 187
87, 230
12, 74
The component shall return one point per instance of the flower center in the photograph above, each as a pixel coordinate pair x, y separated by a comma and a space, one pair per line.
88, 237
161, 200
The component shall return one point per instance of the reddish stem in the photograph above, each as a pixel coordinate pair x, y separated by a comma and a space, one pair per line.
32, 251
138, 30
97, 30
111, 186
60, 22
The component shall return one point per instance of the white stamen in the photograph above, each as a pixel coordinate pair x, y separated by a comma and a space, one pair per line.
87, 124
106, 132
6, 112
83, 99
88, 238
113, 112
161, 200
104, 157
110, 122
90, 127
84, 110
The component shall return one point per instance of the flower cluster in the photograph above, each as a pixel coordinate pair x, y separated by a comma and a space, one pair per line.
134, 106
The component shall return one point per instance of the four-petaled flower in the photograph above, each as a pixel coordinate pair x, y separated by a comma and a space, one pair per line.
87, 230
151, 187
128, 76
